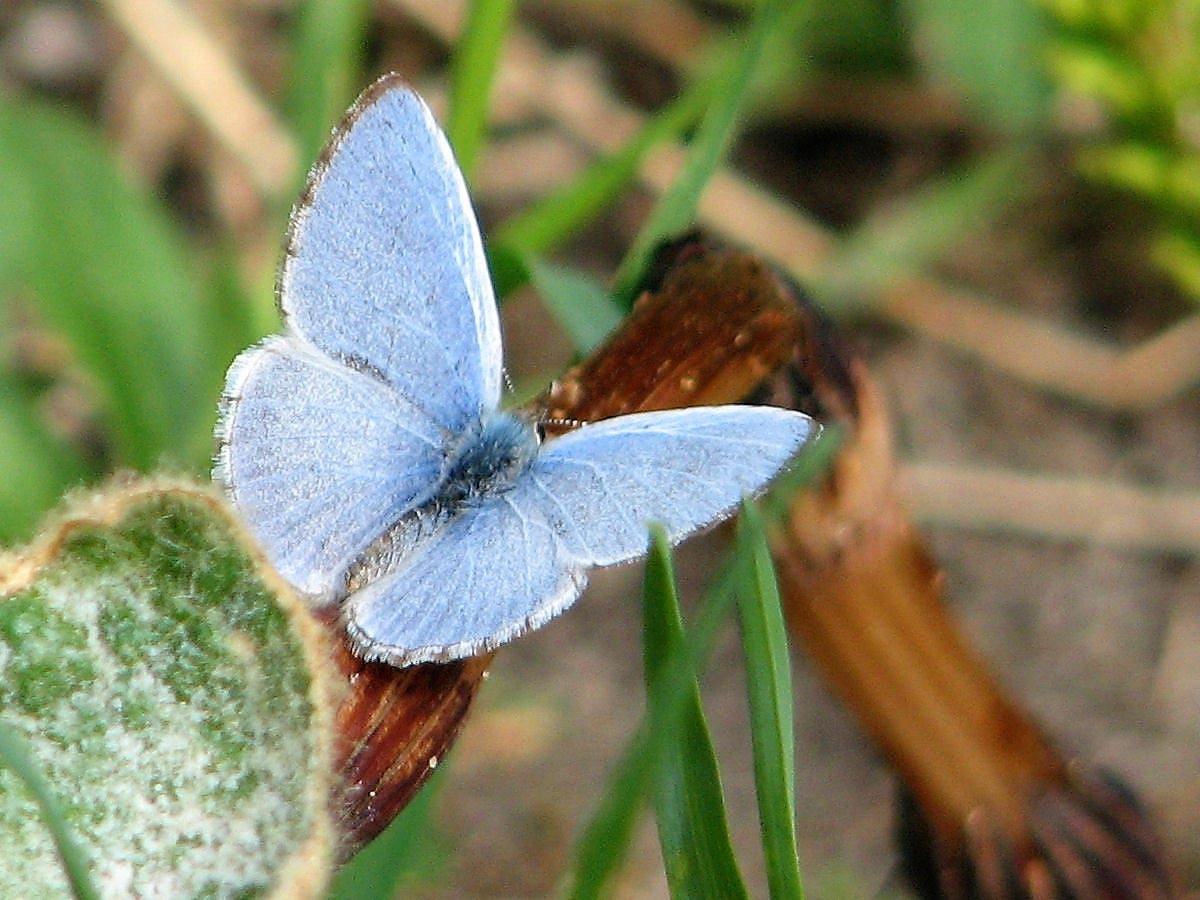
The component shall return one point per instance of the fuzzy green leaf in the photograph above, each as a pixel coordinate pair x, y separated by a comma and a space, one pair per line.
166, 691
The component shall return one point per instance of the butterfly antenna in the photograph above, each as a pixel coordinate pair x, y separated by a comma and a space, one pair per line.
557, 423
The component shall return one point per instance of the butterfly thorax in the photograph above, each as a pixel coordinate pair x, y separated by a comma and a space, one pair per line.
485, 462
488, 459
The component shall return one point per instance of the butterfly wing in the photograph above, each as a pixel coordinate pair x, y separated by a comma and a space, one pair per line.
493, 573
319, 458
332, 432
511, 563
600, 486
384, 267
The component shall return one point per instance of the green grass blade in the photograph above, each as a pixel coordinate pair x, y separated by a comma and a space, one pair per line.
15, 755
769, 686
676, 209
109, 273
544, 225
604, 843
814, 459
693, 827
35, 468
326, 67
581, 306
990, 51
471, 78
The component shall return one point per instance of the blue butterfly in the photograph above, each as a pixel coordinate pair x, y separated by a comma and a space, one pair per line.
365, 447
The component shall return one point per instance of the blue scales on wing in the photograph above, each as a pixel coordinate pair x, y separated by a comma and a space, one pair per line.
319, 459
384, 265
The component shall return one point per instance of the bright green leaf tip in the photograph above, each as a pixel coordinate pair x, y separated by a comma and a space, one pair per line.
171, 695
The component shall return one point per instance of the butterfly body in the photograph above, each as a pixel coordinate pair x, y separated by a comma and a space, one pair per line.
489, 459
365, 447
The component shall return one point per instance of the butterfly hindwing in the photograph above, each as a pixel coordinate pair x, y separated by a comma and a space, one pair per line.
493, 573
318, 458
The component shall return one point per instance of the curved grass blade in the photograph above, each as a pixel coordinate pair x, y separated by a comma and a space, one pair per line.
905, 236
15, 756
35, 467
769, 686
603, 845
581, 306
550, 221
676, 208
326, 61
110, 274
471, 78
693, 828
409, 849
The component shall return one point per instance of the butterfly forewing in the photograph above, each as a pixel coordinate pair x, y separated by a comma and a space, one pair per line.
384, 268
683, 468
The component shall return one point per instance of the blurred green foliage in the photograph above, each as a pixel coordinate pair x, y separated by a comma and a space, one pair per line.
1138, 61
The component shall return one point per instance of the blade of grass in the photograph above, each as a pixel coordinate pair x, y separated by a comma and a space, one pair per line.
676, 208
603, 844
693, 828
814, 459
769, 687
15, 756
35, 469
110, 274
907, 235
544, 225
472, 72
581, 306
991, 52
408, 850
326, 64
